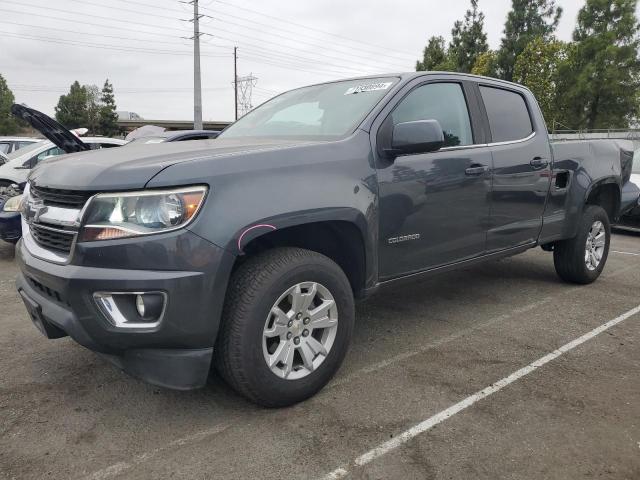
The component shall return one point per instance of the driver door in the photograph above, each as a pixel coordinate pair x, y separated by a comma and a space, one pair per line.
434, 207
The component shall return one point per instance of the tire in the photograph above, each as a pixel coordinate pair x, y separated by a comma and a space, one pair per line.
242, 348
570, 256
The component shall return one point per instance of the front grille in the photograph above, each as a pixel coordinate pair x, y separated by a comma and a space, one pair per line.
53, 238
60, 198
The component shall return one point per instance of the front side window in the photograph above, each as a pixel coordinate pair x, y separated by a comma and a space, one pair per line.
444, 102
4, 147
51, 152
508, 114
326, 111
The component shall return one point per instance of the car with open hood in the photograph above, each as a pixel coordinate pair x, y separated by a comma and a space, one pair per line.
246, 253
59, 141
13, 174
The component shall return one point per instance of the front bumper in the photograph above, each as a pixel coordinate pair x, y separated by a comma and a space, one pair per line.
191, 271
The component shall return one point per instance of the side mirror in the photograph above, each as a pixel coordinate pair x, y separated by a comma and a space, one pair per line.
420, 136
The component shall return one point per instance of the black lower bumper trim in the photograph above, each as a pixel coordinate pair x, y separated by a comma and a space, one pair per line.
169, 368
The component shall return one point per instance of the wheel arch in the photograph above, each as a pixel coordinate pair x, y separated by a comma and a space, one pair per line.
605, 193
342, 237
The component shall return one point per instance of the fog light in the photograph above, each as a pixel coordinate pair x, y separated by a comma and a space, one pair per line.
132, 309
140, 305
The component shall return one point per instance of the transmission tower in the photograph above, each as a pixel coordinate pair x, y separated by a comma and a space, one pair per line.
244, 91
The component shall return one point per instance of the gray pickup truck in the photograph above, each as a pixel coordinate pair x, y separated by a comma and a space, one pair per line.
245, 253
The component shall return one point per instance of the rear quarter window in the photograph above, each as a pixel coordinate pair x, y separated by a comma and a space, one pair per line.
508, 114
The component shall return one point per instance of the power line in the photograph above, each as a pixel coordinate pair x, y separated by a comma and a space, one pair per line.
376, 48
299, 41
315, 45
93, 34
75, 43
258, 49
88, 23
153, 25
372, 49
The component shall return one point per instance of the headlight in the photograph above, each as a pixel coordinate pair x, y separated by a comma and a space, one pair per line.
14, 204
121, 215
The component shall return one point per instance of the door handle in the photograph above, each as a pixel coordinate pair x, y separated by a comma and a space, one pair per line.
539, 162
476, 169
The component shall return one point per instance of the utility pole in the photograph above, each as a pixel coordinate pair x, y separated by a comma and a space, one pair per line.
235, 79
197, 80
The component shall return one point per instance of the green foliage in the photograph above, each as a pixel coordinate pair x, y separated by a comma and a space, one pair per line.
486, 64
86, 106
72, 108
468, 40
538, 67
601, 77
8, 123
434, 56
107, 116
527, 20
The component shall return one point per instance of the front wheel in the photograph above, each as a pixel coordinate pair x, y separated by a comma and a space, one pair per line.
286, 326
581, 259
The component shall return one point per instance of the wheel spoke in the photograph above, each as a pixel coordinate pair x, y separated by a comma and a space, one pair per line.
323, 322
316, 347
598, 254
600, 239
297, 299
308, 297
307, 356
321, 311
594, 261
279, 327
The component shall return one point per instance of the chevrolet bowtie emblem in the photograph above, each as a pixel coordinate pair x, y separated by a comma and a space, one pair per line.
35, 208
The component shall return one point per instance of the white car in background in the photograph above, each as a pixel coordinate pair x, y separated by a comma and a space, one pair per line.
20, 162
11, 144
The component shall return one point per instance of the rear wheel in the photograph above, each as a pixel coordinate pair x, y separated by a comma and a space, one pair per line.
582, 258
286, 326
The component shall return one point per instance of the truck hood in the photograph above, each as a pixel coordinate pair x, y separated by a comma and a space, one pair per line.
132, 167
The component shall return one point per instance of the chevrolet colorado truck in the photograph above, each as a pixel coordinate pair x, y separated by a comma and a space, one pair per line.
245, 253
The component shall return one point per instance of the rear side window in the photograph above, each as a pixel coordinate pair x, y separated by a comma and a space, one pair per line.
443, 102
508, 114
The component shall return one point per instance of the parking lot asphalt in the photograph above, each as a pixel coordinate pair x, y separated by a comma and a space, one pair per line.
418, 350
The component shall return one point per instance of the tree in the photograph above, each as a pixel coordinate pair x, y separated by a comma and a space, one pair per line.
8, 123
93, 109
71, 110
538, 67
107, 116
468, 40
527, 20
601, 77
486, 64
434, 56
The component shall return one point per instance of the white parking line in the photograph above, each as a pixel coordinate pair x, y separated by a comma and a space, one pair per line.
440, 417
626, 253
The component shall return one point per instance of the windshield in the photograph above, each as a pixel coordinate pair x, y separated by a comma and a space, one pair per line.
25, 150
326, 111
636, 162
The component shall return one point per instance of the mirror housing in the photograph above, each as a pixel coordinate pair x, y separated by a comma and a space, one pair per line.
420, 136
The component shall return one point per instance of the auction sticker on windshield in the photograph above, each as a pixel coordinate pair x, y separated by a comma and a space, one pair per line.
371, 87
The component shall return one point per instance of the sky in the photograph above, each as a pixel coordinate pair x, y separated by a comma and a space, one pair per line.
142, 46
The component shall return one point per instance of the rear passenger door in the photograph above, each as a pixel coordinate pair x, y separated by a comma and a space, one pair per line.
521, 167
